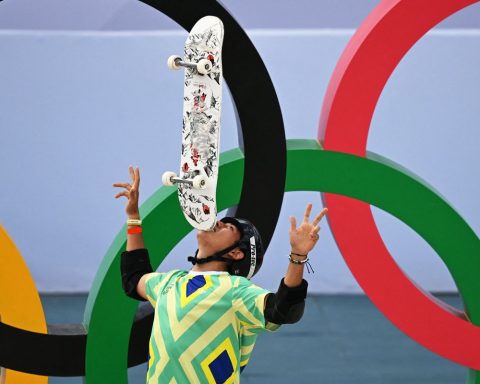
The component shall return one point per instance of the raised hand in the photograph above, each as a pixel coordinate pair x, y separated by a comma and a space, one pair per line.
131, 192
304, 238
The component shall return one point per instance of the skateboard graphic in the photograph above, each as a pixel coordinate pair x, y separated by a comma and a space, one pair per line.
197, 179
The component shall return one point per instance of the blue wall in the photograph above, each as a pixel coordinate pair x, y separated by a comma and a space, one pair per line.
135, 15
76, 108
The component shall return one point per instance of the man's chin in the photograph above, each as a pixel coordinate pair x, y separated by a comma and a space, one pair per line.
201, 233
210, 231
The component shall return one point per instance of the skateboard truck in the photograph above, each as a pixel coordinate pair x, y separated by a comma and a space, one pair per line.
203, 67
171, 178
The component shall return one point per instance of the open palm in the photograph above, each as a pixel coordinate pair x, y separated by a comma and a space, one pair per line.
304, 237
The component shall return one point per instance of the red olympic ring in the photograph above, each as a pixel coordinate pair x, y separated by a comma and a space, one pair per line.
372, 54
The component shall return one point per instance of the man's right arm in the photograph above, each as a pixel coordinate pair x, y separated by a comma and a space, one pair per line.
135, 268
135, 262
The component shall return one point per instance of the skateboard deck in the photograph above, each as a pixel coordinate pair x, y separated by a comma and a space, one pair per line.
201, 123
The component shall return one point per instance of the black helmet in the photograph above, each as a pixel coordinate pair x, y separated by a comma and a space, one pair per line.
250, 243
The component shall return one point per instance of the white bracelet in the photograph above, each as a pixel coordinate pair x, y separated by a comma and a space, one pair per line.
296, 261
301, 262
134, 222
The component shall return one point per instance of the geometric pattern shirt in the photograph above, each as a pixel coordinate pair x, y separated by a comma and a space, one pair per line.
205, 326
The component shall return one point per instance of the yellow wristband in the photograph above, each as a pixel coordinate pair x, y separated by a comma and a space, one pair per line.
134, 222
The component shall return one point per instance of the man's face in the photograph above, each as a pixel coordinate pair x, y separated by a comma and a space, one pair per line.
223, 235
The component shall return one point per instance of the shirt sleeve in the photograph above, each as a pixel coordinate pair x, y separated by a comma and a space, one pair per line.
249, 303
156, 282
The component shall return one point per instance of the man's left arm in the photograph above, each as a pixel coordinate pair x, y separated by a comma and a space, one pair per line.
286, 306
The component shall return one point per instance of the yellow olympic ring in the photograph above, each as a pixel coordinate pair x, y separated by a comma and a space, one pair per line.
20, 304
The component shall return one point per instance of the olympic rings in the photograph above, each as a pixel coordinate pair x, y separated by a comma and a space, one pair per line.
385, 37
109, 314
335, 172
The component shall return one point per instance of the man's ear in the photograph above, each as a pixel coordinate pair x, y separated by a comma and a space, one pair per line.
236, 254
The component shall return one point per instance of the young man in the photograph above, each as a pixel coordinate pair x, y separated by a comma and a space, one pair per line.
207, 319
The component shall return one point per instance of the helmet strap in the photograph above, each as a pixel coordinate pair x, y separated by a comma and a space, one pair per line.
218, 256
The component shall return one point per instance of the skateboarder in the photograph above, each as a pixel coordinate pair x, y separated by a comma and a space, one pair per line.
207, 319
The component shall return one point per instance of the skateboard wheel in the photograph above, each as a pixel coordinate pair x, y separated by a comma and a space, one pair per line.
199, 182
172, 62
204, 67
167, 178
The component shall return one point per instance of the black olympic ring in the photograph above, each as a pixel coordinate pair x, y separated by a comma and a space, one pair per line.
61, 352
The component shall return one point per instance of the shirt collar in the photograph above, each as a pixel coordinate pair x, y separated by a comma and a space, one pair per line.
199, 273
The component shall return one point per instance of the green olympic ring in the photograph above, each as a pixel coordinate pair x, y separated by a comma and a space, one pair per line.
109, 313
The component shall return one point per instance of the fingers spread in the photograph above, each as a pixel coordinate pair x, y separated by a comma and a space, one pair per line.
319, 217
121, 194
137, 178
307, 212
123, 185
132, 173
293, 223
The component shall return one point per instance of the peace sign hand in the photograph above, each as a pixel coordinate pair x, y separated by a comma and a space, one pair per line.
304, 238
131, 192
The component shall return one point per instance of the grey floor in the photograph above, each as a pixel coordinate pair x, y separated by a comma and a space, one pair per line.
340, 340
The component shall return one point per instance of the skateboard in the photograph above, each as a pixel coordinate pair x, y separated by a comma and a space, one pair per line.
197, 179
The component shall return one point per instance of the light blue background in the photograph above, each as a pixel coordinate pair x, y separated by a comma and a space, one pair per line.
135, 15
78, 107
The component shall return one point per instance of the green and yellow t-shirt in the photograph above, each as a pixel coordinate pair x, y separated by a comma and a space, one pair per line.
205, 326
